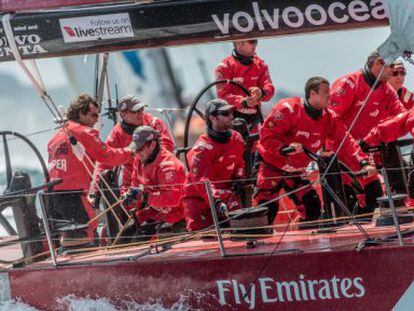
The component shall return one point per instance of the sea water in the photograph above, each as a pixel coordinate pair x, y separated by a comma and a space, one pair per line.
72, 303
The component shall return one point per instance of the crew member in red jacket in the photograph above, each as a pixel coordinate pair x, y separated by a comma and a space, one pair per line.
245, 67
132, 113
389, 131
217, 156
300, 123
397, 82
157, 181
348, 94
73, 151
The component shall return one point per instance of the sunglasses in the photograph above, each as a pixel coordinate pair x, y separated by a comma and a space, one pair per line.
252, 42
224, 113
136, 112
399, 72
144, 146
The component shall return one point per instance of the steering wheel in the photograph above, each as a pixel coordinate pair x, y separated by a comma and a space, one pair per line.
5, 196
195, 110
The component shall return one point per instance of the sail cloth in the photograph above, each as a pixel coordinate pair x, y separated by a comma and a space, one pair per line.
401, 16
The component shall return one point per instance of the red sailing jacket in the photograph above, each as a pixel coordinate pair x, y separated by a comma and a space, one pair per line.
255, 74
118, 138
163, 180
65, 160
406, 97
391, 129
214, 161
289, 122
347, 96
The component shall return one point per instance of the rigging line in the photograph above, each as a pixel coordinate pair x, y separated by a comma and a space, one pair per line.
348, 132
15, 51
48, 101
97, 185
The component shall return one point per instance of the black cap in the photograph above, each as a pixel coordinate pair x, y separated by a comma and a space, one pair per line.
143, 134
214, 106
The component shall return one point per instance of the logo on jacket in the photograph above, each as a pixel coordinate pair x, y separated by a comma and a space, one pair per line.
288, 106
58, 164
279, 116
203, 145
231, 167
238, 79
374, 113
317, 144
303, 133
340, 91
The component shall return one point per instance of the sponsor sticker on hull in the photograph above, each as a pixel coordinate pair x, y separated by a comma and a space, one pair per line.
97, 27
269, 291
312, 15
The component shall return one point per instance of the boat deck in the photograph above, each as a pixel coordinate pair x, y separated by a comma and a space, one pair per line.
344, 238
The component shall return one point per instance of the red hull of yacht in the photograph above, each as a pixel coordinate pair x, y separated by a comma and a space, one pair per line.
374, 279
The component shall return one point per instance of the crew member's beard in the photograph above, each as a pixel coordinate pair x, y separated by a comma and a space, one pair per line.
220, 137
152, 156
128, 128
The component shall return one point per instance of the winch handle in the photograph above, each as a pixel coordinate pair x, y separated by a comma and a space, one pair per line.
287, 150
360, 174
52, 183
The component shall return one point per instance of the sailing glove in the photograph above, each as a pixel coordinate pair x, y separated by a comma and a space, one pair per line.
221, 209
132, 195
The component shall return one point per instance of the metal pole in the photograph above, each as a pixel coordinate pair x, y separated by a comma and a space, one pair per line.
47, 229
215, 218
101, 79
392, 206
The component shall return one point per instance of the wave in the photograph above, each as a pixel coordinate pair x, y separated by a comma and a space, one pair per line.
73, 303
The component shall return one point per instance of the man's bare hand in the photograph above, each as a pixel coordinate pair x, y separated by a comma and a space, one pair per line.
298, 148
255, 93
371, 170
251, 103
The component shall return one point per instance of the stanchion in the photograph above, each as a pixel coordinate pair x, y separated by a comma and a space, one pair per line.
47, 229
215, 218
392, 206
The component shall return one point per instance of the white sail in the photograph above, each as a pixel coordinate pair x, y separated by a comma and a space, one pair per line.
401, 15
